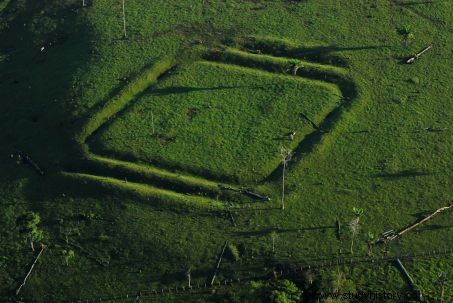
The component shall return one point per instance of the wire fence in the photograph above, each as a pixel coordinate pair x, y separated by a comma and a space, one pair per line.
294, 270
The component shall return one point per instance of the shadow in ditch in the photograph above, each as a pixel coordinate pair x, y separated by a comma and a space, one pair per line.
320, 54
403, 174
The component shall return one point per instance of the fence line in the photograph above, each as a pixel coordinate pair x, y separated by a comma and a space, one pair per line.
198, 287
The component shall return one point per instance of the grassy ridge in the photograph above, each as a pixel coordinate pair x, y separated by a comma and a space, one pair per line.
150, 174
145, 191
280, 65
378, 158
281, 47
250, 147
143, 81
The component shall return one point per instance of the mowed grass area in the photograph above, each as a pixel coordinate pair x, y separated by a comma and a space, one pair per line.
376, 157
220, 121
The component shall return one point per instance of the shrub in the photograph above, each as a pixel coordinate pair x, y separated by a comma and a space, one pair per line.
414, 80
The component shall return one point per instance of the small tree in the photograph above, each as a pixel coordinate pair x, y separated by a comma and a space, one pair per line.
29, 228
286, 155
69, 231
338, 281
284, 291
124, 20
441, 280
68, 255
296, 64
370, 238
354, 225
335, 281
273, 237
308, 276
408, 34
188, 275
152, 123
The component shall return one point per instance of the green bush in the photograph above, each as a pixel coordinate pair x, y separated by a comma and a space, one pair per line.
414, 80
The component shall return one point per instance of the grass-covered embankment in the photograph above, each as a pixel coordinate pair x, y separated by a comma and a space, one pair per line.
196, 109
389, 154
145, 191
131, 91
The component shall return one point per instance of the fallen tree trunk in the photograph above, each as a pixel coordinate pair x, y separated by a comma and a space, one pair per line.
409, 279
218, 263
416, 56
31, 269
412, 226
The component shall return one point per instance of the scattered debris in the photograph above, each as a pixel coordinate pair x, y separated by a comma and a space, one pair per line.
416, 56
255, 195
22, 157
429, 129
246, 192
225, 187
31, 269
391, 234
218, 263
438, 211
387, 234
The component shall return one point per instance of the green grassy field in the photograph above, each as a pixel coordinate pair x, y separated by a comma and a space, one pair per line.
138, 210
217, 120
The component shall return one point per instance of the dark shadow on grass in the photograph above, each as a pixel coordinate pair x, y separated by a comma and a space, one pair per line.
188, 89
365, 131
305, 117
422, 214
254, 209
281, 138
321, 54
47, 135
433, 227
266, 231
66, 189
409, 3
36, 84
185, 90
402, 174
333, 48
410, 6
